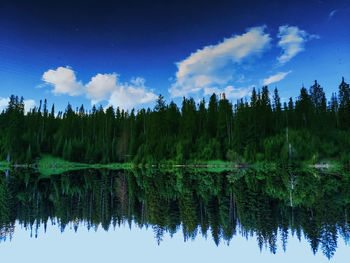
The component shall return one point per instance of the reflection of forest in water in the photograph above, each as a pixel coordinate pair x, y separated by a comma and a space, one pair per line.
269, 204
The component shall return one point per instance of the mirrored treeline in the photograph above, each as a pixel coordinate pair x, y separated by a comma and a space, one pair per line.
269, 204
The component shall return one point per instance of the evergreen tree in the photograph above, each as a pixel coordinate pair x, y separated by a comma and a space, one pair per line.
344, 105
212, 115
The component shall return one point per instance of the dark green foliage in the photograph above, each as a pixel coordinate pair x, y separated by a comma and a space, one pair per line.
307, 129
344, 105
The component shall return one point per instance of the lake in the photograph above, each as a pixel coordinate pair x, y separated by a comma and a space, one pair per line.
173, 215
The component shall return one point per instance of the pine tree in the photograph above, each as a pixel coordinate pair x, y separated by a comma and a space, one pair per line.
344, 105
212, 116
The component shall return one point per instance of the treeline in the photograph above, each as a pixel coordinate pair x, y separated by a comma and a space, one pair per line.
309, 128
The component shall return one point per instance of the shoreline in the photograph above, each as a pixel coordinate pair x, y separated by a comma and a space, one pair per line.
50, 165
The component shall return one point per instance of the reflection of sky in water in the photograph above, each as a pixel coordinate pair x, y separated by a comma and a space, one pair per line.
136, 245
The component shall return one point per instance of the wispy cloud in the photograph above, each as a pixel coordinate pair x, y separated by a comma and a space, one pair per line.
332, 13
214, 65
101, 87
275, 78
292, 41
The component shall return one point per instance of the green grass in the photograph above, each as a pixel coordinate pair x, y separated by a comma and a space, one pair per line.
49, 165
218, 162
4, 165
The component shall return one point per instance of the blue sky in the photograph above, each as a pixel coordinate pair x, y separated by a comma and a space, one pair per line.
127, 53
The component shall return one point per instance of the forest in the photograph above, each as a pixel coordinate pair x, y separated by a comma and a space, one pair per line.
308, 128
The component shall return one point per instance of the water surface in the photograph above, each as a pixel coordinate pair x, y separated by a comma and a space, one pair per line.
175, 215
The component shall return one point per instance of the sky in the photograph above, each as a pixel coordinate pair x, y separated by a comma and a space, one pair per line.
125, 53
139, 245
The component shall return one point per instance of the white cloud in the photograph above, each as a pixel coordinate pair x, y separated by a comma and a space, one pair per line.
63, 81
3, 103
214, 65
28, 104
275, 78
128, 95
230, 92
101, 87
292, 41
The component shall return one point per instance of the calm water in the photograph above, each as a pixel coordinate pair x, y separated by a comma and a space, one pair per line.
173, 215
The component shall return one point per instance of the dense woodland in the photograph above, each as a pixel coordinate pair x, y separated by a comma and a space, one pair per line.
309, 128
197, 202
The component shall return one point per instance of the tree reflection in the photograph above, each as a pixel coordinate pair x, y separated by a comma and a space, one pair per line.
248, 202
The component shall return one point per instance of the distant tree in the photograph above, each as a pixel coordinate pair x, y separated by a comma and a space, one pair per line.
344, 105
304, 109
212, 115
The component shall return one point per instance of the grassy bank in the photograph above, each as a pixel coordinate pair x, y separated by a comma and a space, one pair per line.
4, 165
49, 165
